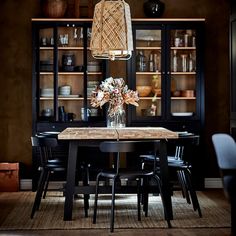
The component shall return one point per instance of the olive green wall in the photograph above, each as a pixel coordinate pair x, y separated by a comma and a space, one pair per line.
16, 63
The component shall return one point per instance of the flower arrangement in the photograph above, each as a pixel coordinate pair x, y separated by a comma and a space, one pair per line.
114, 91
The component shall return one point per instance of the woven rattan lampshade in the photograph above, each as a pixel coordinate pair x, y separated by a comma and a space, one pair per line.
112, 31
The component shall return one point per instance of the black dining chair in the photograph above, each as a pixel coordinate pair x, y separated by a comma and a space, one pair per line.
116, 174
225, 150
180, 164
50, 164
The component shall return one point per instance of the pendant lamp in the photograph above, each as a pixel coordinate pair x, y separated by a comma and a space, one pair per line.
112, 31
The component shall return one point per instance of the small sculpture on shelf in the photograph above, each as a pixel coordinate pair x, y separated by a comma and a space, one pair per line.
153, 8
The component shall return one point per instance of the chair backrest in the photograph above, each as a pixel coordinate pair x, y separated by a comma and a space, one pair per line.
184, 145
128, 147
44, 146
225, 149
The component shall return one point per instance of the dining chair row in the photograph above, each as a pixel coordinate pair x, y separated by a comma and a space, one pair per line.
146, 151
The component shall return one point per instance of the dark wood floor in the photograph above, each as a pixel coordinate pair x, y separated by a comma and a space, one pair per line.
218, 195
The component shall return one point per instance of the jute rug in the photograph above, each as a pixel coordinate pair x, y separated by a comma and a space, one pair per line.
16, 216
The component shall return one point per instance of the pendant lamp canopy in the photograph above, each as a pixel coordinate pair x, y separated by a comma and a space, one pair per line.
112, 31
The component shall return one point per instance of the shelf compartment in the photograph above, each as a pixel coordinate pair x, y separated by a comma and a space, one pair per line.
149, 98
183, 98
70, 73
148, 48
148, 73
183, 48
183, 73
61, 98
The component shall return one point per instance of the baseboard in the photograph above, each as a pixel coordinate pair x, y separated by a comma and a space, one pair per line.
26, 184
213, 183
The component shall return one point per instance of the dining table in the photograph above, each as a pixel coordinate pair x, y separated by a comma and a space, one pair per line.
77, 136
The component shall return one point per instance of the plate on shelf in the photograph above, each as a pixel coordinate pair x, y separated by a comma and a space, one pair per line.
182, 113
184, 133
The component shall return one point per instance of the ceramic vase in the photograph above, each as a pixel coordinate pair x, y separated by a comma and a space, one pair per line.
153, 8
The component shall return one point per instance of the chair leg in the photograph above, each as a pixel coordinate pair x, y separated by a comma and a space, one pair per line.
233, 217
113, 203
46, 185
145, 196
183, 183
193, 194
139, 198
156, 177
96, 200
86, 196
39, 192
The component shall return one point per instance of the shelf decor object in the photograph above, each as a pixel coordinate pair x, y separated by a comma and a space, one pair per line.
112, 31
116, 93
153, 8
54, 8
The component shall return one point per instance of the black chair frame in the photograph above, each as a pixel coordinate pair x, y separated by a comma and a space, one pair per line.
116, 174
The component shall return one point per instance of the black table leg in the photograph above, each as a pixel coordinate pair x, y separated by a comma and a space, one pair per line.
70, 180
165, 181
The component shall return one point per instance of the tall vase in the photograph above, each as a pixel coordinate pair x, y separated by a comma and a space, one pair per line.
54, 8
116, 119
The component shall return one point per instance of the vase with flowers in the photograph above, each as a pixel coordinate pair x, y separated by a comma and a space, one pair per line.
115, 92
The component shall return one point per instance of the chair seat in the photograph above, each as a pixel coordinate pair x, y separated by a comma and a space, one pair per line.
129, 174
172, 160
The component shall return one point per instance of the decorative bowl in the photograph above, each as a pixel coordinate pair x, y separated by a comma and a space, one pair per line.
144, 90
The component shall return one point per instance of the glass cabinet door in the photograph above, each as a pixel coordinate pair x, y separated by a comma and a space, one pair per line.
95, 74
46, 110
183, 76
70, 72
148, 72
67, 74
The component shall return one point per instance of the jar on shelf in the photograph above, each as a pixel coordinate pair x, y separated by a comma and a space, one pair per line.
175, 61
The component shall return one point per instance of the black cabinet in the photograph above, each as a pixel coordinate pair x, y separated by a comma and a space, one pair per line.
64, 75
167, 70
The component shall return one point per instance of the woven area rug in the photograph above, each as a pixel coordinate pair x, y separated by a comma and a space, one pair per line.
16, 215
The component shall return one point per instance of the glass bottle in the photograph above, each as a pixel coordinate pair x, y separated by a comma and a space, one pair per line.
156, 59
151, 62
190, 63
175, 62
140, 62
156, 85
184, 62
